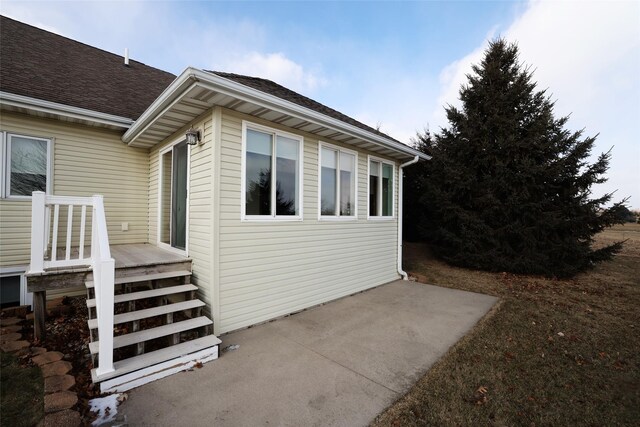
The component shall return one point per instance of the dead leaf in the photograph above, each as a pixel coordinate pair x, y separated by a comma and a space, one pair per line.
480, 396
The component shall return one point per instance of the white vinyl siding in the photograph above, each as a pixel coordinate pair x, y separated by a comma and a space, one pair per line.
85, 161
200, 210
269, 269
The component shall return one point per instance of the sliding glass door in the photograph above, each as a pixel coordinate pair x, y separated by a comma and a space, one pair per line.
174, 164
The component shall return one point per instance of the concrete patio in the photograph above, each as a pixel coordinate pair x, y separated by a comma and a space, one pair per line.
338, 364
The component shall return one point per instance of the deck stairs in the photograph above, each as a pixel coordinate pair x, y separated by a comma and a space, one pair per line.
159, 327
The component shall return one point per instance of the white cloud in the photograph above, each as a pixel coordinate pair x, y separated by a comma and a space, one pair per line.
276, 67
588, 55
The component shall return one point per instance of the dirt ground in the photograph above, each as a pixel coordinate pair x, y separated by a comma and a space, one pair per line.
552, 352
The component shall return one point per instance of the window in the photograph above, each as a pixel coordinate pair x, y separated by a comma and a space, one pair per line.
271, 156
380, 188
338, 182
13, 289
26, 165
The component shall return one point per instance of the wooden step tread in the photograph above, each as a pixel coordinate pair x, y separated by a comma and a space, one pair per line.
132, 296
144, 278
153, 333
135, 363
150, 312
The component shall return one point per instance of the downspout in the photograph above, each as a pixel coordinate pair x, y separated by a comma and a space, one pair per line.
401, 272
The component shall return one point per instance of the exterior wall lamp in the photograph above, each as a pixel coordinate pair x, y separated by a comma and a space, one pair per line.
193, 136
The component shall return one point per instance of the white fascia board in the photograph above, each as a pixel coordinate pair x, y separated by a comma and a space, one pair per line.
40, 105
195, 77
278, 104
172, 94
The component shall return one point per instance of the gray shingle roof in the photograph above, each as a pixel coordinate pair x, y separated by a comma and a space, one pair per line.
44, 65
282, 92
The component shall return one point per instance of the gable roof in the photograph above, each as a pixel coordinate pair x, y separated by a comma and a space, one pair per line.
43, 65
272, 88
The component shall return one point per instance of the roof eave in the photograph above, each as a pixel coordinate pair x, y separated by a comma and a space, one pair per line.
81, 115
192, 76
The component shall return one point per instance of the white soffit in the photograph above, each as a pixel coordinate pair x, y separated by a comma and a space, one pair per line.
196, 91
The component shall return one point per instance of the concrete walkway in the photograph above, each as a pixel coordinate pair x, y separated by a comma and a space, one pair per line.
339, 364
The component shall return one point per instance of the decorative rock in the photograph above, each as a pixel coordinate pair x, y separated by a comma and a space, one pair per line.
10, 337
59, 401
58, 383
66, 418
19, 311
60, 367
13, 346
10, 321
35, 351
48, 357
10, 329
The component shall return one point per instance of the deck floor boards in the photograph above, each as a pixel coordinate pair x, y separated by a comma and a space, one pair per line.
132, 255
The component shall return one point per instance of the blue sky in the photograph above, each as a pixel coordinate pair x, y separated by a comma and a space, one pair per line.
393, 64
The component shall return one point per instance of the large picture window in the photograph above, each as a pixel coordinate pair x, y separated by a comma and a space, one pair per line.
271, 157
26, 165
380, 188
338, 182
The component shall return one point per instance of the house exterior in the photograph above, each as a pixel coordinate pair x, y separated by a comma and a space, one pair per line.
77, 121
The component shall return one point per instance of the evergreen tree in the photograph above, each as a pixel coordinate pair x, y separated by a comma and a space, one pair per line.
508, 188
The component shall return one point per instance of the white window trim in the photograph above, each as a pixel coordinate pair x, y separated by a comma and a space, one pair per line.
159, 243
393, 190
26, 298
243, 181
5, 164
336, 217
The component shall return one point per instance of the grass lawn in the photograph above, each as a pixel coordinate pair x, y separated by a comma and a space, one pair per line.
21, 396
551, 352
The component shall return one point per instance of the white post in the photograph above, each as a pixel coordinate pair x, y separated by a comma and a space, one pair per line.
105, 276
37, 232
104, 281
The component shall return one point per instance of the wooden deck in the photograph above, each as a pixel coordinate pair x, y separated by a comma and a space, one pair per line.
140, 258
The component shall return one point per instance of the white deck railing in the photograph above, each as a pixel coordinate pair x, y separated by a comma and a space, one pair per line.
44, 230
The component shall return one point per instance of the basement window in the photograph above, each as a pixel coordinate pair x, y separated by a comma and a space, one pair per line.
13, 289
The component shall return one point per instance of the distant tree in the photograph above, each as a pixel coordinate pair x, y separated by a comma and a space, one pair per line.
627, 215
509, 188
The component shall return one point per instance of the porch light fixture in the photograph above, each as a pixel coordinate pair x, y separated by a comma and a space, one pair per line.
193, 136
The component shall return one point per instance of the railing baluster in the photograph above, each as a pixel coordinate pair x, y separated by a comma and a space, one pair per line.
69, 231
47, 228
83, 219
54, 245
